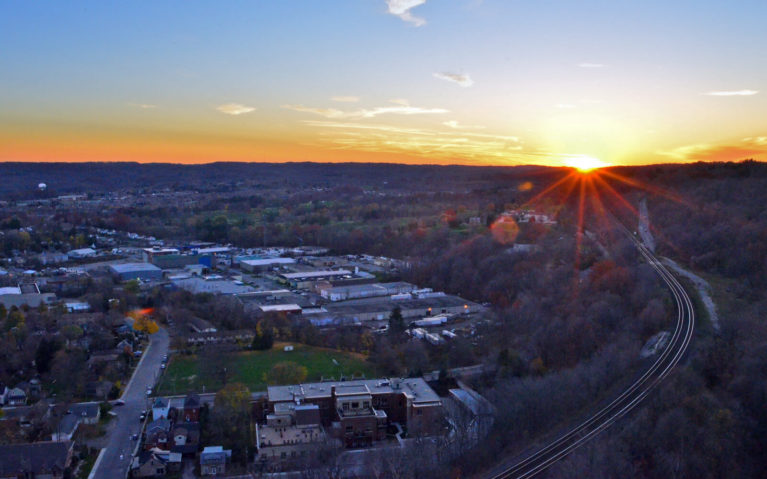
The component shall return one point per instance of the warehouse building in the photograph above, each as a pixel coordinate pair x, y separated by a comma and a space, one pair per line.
374, 309
263, 264
358, 291
142, 271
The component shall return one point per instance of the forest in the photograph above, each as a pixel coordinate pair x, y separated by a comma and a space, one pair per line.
570, 310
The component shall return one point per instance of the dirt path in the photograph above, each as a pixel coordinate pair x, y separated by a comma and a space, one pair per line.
704, 289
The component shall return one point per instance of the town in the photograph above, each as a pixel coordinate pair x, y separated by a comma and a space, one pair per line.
98, 338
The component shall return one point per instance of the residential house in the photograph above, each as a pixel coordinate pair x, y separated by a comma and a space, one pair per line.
185, 438
160, 408
155, 463
213, 460
16, 397
36, 460
191, 408
157, 434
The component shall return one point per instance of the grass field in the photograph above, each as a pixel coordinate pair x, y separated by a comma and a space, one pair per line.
185, 373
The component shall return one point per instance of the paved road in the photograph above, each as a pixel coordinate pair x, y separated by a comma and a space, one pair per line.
111, 466
538, 461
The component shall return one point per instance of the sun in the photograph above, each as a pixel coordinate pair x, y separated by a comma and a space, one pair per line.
584, 163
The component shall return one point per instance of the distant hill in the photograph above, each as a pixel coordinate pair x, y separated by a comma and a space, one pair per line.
20, 180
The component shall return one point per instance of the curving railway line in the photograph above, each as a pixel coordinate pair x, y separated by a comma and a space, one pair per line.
629, 398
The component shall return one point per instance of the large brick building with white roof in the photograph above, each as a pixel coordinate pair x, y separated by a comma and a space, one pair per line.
358, 412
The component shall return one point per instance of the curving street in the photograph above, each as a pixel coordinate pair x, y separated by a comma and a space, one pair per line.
538, 461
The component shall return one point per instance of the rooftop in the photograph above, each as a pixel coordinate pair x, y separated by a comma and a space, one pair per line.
414, 388
269, 436
133, 267
267, 261
17, 459
317, 274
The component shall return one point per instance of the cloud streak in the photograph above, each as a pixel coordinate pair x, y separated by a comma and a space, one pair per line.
458, 78
751, 147
401, 9
235, 109
424, 143
402, 107
346, 99
733, 93
458, 126
591, 65
143, 106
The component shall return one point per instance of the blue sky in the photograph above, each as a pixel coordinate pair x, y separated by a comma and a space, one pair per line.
462, 81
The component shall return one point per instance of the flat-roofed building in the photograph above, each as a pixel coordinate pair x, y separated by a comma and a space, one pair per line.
142, 271
343, 293
372, 309
358, 411
290, 433
306, 279
263, 264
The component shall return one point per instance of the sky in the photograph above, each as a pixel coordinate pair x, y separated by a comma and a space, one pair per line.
501, 82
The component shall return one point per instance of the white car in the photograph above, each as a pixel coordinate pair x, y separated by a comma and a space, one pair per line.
148, 391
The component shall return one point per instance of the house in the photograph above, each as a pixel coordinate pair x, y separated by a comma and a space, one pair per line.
79, 413
213, 460
186, 438
88, 412
160, 408
36, 460
191, 408
99, 389
158, 434
16, 397
155, 463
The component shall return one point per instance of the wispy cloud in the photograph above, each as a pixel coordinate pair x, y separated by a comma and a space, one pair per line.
425, 144
401, 8
459, 78
751, 147
591, 65
732, 93
235, 109
565, 106
458, 126
346, 99
143, 106
402, 108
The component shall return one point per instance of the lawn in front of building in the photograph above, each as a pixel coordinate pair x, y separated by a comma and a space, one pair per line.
195, 373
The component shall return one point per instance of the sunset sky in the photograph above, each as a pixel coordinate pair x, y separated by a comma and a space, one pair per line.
419, 81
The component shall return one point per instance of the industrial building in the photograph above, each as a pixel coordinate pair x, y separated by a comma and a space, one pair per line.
343, 293
142, 271
262, 264
306, 279
355, 412
373, 309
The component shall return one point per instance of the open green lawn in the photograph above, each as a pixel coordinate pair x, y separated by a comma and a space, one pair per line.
185, 373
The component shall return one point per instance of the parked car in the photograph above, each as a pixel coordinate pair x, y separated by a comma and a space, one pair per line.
118, 402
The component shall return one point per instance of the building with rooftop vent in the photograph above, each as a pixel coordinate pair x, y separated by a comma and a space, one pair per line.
358, 412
